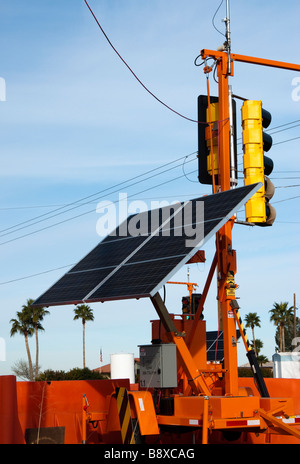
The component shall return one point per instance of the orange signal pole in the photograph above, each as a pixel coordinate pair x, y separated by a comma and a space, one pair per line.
226, 260
190, 285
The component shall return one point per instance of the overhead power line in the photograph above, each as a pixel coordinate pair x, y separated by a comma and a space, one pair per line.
288, 140
95, 196
276, 143
287, 186
273, 130
93, 210
286, 199
70, 265
9, 208
133, 73
36, 274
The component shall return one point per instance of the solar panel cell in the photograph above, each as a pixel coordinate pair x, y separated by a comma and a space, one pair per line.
72, 287
134, 280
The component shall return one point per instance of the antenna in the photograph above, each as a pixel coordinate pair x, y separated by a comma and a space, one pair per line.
227, 44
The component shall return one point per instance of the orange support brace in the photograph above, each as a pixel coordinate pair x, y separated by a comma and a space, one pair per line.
275, 422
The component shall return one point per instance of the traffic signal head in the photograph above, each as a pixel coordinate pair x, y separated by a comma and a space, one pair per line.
256, 165
190, 306
208, 144
196, 297
186, 309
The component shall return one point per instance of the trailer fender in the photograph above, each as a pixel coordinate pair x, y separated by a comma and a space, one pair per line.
145, 412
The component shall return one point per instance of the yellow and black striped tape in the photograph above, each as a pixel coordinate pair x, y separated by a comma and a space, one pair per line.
123, 405
242, 330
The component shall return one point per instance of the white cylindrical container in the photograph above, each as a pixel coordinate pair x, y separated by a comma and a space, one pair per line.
122, 366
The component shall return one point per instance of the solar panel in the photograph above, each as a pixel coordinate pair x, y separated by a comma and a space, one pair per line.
215, 345
146, 250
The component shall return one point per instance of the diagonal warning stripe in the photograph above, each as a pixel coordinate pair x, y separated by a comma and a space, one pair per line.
125, 416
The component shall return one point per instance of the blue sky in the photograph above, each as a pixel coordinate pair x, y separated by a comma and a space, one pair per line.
75, 122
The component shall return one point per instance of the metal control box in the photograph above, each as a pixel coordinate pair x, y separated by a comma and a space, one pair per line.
158, 366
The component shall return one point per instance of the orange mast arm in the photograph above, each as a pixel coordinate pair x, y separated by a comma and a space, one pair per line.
252, 60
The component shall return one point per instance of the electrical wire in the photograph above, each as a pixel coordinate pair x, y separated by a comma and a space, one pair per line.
286, 199
270, 131
135, 76
284, 178
287, 186
69, 265
273, 131
9, 208
95, 196
183, 170
37, 274
283, 125
122, 183
191, 195
213, 20
276, 143
284, 141
90, 211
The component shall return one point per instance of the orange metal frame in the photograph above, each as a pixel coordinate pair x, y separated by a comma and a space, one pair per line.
211, 397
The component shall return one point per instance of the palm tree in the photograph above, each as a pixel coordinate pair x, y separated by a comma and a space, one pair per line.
290, 341
261, 359
22, 325
252, 320
85, 313
281, 315
258, 346
36, 314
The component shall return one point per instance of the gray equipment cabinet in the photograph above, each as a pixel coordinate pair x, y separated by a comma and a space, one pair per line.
158, 366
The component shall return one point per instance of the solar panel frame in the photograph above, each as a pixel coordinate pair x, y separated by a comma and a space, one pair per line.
148, 260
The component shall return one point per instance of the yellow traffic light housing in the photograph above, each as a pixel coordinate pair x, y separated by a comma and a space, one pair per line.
212, 115
256, 165
208, 142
